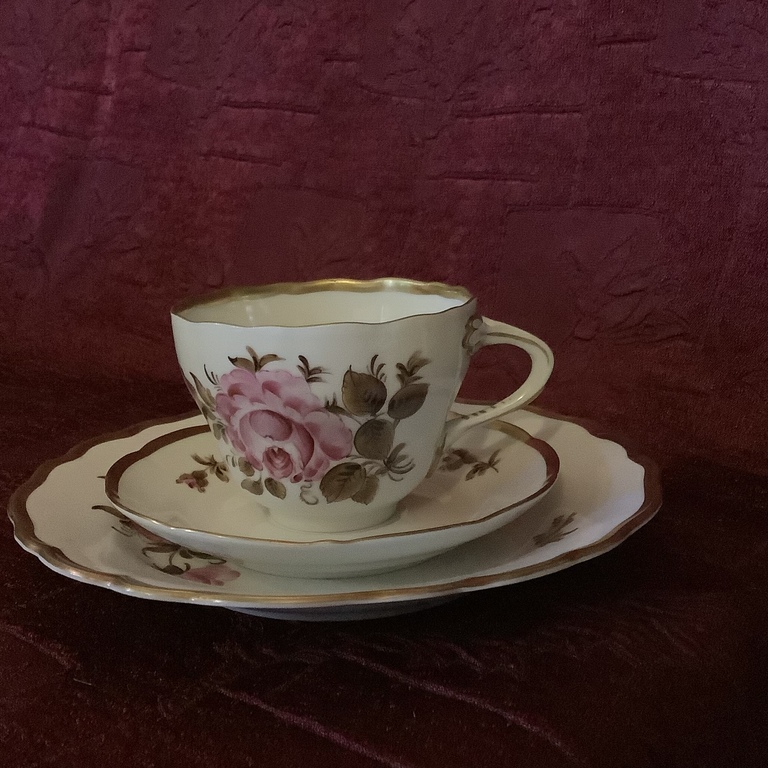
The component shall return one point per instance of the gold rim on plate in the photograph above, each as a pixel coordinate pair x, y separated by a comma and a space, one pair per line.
24, 531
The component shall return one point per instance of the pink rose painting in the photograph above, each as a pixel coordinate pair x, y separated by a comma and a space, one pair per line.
279, 430
215, 575
272, 418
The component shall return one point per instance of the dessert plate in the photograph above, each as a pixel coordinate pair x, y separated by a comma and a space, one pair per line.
174, 488
61, 515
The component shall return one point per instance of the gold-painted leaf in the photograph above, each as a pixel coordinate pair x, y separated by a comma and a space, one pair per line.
457, 458
171, 570
275, 487
408, 372
309, 372
204, 395
266, 360
374, 439
342, 482
363, 394
252, 486
243, 362
245, 466
406, 401
332, 406
477, 471
416, 362
368, 492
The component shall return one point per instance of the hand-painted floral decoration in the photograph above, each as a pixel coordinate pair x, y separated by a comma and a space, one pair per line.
174, 559
281, 432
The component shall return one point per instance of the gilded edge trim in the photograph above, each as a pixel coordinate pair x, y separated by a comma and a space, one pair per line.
383, 284
25, 533
116, 471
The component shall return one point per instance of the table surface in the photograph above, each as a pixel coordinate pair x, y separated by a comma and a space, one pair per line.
653, 654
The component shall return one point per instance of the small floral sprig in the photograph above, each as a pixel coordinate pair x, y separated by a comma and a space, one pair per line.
174, 559
362, 438
254, 363
457, 458
408, 373
310, 373
556, 530
198, 479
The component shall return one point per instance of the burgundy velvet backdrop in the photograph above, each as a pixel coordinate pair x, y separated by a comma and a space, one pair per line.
595, 170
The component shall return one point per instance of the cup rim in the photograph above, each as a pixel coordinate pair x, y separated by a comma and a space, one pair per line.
378, 285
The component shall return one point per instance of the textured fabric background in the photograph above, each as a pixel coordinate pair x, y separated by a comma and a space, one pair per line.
595, 170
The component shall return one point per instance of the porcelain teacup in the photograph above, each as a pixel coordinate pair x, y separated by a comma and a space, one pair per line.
330, 399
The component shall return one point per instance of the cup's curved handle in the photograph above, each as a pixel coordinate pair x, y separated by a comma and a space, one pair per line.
542, 361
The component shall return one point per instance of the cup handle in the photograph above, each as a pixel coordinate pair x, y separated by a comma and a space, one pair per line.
486, 333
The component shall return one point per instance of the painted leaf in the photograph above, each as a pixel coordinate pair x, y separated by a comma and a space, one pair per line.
373, 440
406, 401
171, 570
275, 487
266, 360
458, 457
252, 486
395, 456
367, 493
342, 482
416, 362
332, 406
161, 549
244, 363
310, 373
408, 373
556, 530
398, 462
363, 394
245, 466
204, 395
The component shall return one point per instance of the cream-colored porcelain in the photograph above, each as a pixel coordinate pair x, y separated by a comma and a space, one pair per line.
330, 399
62, 515
492, 475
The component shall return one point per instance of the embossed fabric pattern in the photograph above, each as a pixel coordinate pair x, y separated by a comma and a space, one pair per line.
596, 172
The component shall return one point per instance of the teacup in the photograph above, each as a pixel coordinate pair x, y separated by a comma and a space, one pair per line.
330, 399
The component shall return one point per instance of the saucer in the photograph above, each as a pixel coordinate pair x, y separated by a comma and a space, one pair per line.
174, 488
62, 515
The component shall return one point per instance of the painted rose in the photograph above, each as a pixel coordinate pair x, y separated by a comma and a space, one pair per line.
216, 575
274, 421
196, 480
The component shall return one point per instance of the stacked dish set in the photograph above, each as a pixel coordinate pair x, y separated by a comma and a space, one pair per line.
330, 473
